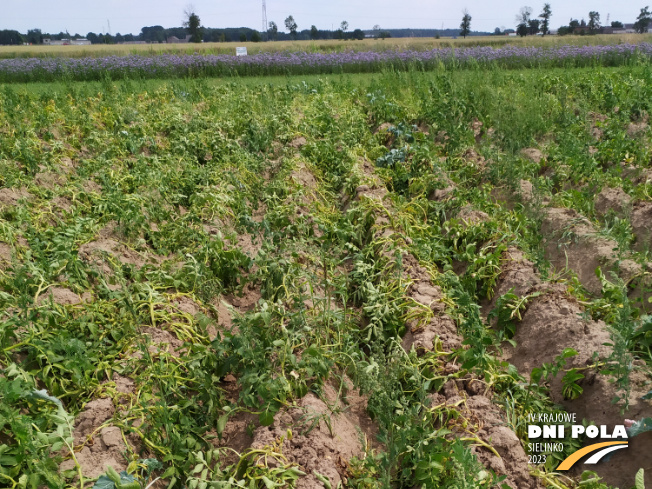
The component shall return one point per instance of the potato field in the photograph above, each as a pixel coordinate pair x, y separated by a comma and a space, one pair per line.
339, 281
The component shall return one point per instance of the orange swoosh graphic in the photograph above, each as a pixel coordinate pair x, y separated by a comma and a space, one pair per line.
570, 461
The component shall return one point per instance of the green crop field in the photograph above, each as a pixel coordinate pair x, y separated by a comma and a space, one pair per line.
340, 281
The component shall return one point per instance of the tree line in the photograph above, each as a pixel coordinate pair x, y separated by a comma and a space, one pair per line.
526, 24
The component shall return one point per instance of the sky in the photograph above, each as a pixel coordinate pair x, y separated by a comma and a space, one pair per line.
128, 16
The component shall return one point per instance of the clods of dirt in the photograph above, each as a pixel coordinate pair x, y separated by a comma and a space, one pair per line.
377, 193
387, 137
186, 305
105, 448
92, 187
61, 204
123, 385
93, 251
518, 274
612, 199
571, 241
5, 255
162, 341
478, 131
478, 409
641, 219
62, 296
10, 197
298, 143
247, 300
554, 321
423, 334
595, 404
596, 124
533, 154
526, 191
636, 129
471, 217
304, 177
474, 159
49, 180
323, 439
444, 193
551, 323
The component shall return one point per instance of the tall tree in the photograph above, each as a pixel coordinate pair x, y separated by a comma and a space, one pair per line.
533, 26
193, 24
573, 25
34, 36
272, 32
643, 20
344, 26
314, 33
291, 26
594, 21
465, 26
10, 37
545, 19
154, 33
523, 21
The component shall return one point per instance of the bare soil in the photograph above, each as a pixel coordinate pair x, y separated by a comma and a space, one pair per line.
552, 322
104, 446
9, 197
533, 154
470, 216
326, 434
162, 341
62, 296
440, 327
636, 129
570, 241
297, 143
92, 252
612, 199
641, 220
478, 410
5, 255
49, 180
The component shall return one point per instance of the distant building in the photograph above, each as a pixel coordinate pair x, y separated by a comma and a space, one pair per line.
66, 42
626, 29
176, 40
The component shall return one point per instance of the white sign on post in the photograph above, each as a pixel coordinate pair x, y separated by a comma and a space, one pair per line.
241, 51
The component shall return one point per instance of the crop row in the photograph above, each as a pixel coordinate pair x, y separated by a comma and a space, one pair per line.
193, 65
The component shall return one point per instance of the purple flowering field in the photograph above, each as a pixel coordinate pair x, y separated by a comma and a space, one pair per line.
172, 65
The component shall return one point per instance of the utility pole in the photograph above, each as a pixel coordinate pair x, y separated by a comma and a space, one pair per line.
264, 31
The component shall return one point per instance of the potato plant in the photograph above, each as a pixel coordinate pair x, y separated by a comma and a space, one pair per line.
201, 258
